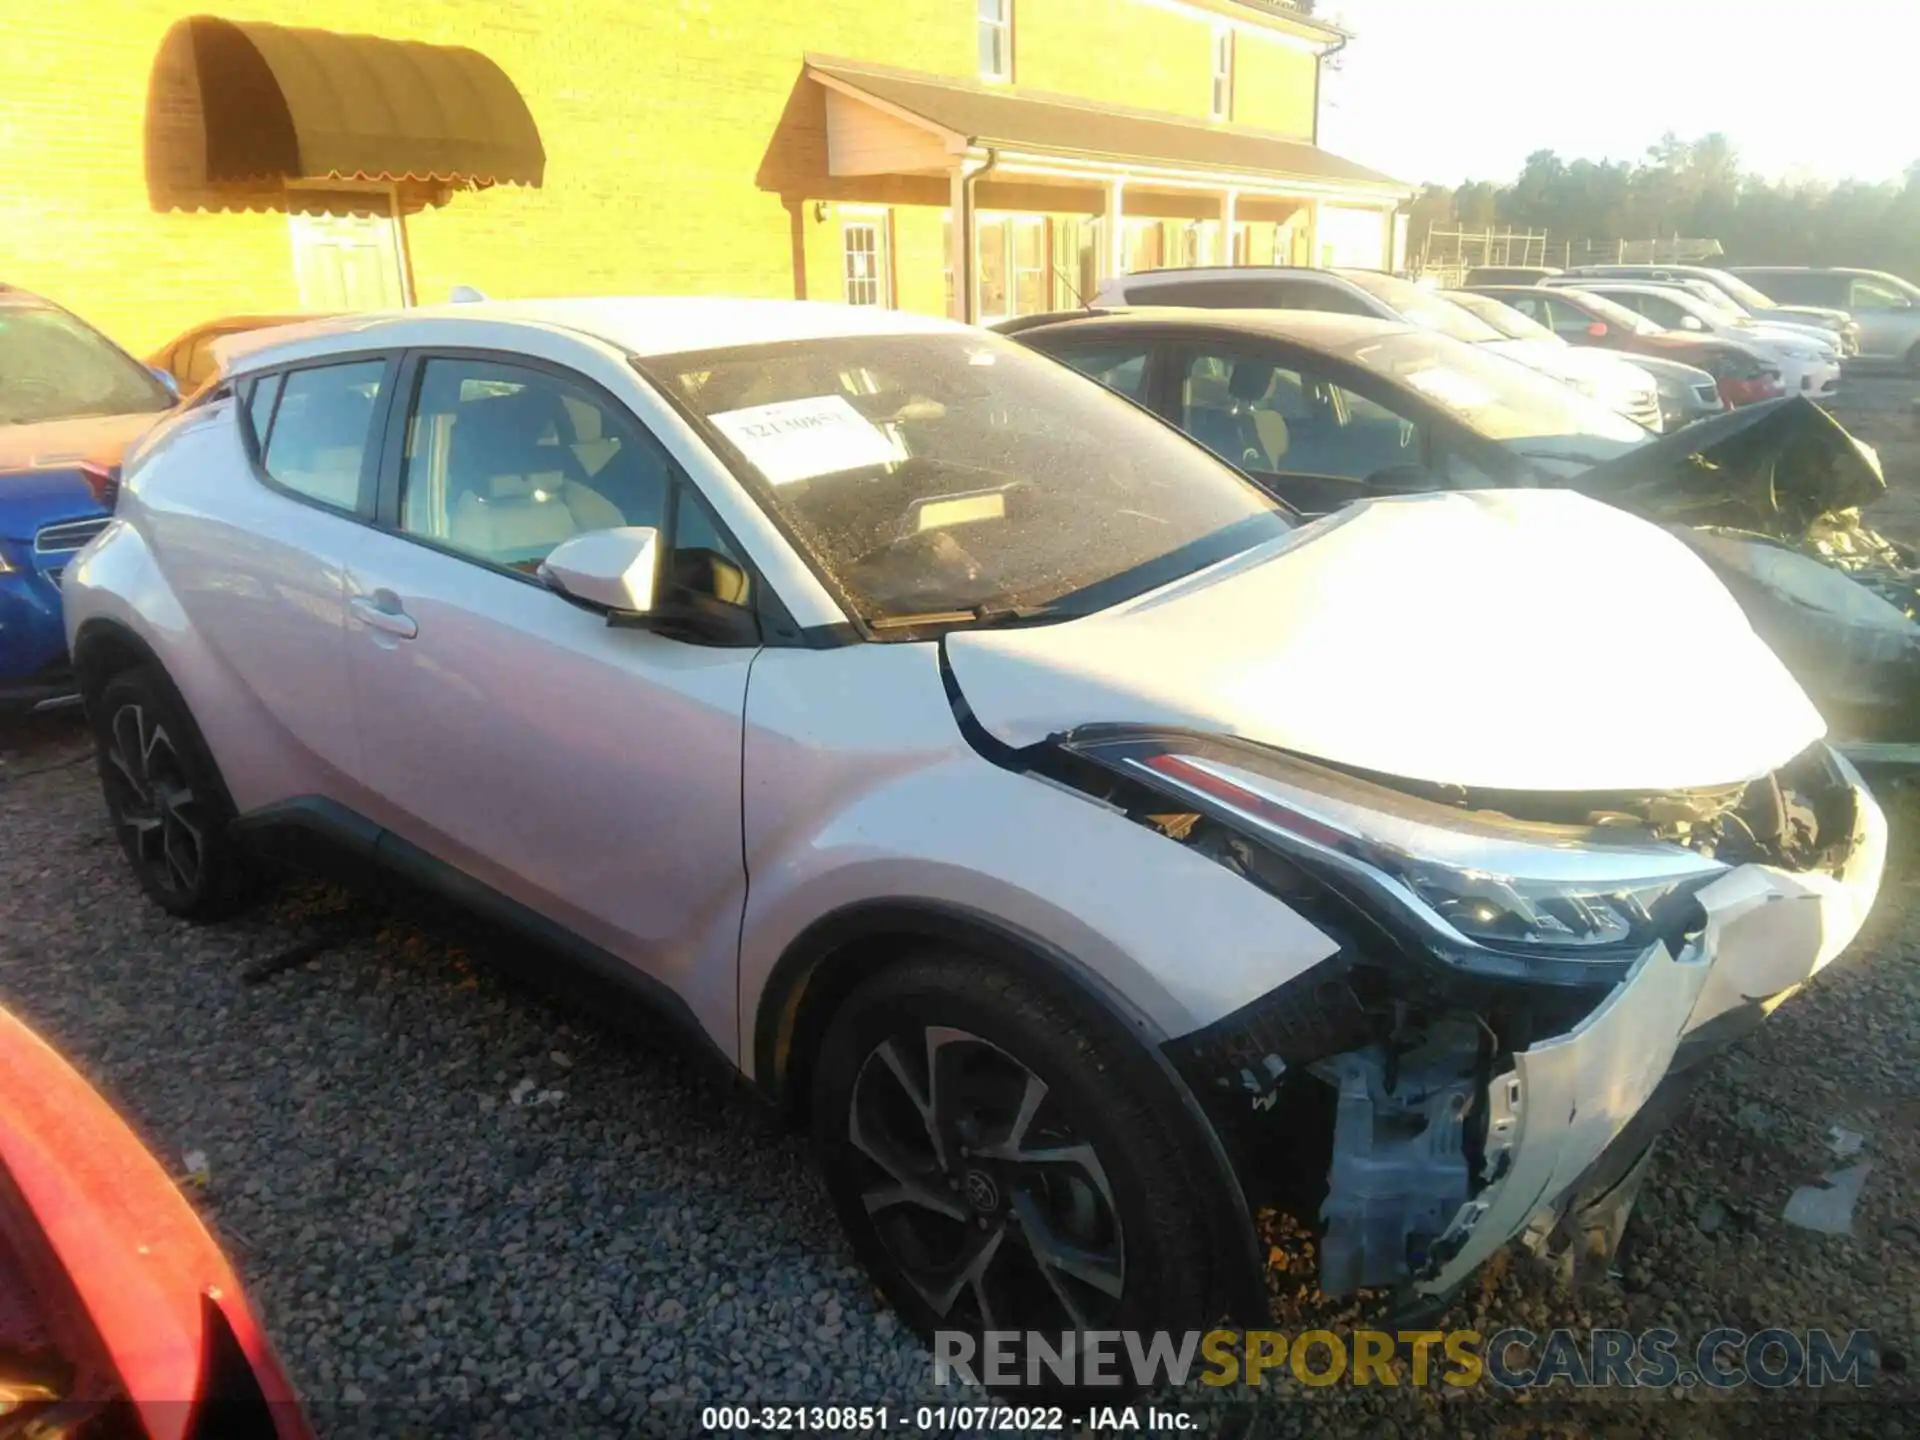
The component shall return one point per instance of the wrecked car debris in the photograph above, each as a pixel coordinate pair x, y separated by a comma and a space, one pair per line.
1827, 1208
1770, 497
1451, 1096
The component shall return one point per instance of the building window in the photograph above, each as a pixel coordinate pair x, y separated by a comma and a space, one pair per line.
1223, 74
996, 39
864, 245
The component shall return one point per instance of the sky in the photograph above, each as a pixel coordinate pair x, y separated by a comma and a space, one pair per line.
1453, 90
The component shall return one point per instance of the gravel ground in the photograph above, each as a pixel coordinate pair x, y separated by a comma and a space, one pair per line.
632, 1236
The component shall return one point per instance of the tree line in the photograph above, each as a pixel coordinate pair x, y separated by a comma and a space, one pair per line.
1692, 188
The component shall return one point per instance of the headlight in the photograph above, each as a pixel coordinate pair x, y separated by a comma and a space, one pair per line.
1483, 892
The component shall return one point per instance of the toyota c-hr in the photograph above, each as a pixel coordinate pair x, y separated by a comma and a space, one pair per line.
991, 774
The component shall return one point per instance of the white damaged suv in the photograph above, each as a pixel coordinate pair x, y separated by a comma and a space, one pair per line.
1081, 843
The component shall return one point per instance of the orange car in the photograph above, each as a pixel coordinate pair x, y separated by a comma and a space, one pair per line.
118, 1314
189, 357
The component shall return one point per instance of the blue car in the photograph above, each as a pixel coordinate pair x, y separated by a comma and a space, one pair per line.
71, 401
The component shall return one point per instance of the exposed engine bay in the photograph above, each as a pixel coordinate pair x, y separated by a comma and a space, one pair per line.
1384, 1094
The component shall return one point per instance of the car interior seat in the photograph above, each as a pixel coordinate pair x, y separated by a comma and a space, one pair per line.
1232, 425
513, 493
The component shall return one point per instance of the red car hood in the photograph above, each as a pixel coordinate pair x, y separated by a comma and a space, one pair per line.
78, 1188
99, 439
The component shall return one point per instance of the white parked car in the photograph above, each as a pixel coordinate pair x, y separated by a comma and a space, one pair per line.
1808, 358
987, 771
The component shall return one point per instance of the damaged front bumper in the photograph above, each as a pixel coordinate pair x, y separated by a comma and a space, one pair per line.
1443, 1152
1566, 1101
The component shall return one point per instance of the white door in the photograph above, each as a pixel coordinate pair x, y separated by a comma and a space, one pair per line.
350, 261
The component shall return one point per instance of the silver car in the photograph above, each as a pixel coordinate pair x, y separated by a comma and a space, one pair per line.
988, 773
1885, 306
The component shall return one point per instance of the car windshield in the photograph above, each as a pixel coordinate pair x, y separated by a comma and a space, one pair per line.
955, 478
1741, 291
1504, 318
1506, 402
1425, 308
1717, 301
53, 367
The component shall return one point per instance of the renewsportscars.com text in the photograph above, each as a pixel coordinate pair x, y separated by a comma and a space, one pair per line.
1513, 1359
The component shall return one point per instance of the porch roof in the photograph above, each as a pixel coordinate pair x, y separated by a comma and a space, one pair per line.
967, 115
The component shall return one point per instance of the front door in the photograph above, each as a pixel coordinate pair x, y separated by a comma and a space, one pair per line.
349, 254
591, 773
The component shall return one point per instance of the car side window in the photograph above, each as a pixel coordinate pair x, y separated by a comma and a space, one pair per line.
1121, 367
1212, 294
318, 424
1559, 317
503, 462
1658, 309
1267, 417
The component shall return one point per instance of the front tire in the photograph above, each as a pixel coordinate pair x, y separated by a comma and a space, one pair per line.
169, 810
1004, 1158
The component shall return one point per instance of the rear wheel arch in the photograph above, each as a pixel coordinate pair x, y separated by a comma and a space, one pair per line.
102, 650
105, 648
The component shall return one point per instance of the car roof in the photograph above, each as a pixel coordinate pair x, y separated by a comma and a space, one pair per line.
1320, 328
1176, 274
640, 325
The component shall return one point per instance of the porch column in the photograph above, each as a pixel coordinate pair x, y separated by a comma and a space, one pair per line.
1227, 208
1116, 226
1313, 233
960, 243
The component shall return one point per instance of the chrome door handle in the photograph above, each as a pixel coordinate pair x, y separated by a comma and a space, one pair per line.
386, 617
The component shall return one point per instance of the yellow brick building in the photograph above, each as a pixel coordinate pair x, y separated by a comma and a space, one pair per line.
163, 164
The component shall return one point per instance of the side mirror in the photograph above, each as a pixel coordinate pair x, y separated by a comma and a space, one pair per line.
616, 570
1692, 322
1598, 329
1403, 480
166, 378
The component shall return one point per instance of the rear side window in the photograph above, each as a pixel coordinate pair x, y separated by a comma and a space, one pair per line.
315, 428
1214, 294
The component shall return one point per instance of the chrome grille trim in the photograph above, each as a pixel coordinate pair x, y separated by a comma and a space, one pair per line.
67, 536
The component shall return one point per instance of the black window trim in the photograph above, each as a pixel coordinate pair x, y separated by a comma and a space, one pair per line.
256, 445
775, 625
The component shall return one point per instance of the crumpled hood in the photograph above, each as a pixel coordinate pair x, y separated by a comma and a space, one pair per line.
1774, 468
1513, 639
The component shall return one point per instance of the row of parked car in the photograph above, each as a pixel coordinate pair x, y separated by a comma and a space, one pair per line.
1378, 808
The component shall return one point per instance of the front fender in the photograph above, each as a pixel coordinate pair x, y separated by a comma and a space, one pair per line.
890, 806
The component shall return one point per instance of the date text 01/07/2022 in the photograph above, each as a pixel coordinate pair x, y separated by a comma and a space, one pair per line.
927, 1419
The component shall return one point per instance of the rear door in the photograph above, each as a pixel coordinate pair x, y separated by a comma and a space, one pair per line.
1889, 325
587, 772
260, 574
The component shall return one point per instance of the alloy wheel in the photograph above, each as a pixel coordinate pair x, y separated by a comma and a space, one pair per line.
984, 1191
161, 820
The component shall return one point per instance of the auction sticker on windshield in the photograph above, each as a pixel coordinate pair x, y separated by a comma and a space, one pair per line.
796, 440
